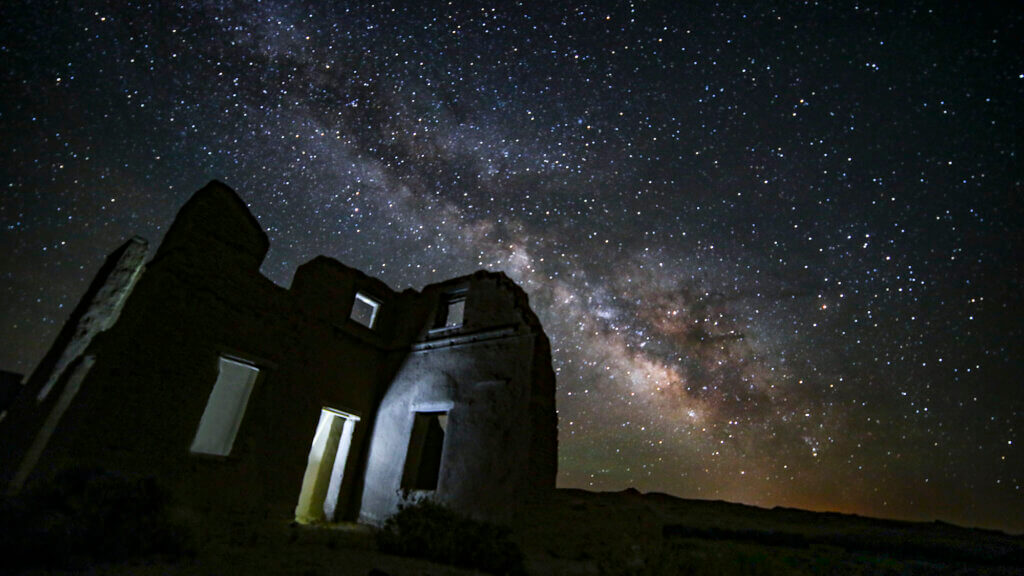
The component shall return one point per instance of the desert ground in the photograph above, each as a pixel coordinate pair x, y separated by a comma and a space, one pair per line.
574, 532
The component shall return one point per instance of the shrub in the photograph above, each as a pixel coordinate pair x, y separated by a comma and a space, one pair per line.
432, 531
89, 516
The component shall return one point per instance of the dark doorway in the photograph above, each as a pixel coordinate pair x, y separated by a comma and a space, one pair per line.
426, 445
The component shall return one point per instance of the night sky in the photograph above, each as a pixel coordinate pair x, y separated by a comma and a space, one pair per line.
775, 247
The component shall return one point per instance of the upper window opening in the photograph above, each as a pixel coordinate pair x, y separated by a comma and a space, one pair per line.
225, 408
364, 310
451, 312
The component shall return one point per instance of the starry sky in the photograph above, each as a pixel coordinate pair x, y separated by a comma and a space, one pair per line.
775, 246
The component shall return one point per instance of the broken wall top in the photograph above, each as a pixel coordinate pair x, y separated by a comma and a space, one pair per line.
216, 219
215, 229
492, 300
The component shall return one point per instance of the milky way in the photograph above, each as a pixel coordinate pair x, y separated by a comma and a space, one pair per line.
775, 247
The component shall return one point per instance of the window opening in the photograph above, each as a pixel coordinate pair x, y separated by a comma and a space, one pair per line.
364, 310
225, 408
325, 467
451, 313
426, 445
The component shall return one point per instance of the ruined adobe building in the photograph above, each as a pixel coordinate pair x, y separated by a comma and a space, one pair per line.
334, 399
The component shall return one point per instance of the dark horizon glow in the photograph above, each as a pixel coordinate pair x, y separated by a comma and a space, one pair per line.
776, 249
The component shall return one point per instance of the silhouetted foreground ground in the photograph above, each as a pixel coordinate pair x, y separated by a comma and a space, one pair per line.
574, 532
630, 533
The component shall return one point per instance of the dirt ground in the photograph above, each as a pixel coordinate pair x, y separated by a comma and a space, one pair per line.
581, 533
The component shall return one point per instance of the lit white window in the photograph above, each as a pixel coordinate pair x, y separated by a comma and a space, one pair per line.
364, 310
225, 408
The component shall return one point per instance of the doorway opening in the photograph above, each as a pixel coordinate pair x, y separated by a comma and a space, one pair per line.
426, 446
325, 468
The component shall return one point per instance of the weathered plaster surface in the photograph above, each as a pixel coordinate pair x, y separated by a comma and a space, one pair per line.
484, 388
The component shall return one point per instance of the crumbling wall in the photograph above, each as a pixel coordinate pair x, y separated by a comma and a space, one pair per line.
488, 375
203, 297
97, 311
139, 399
104, 308
483, 387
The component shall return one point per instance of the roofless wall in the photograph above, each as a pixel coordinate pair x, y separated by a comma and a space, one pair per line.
338, 398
